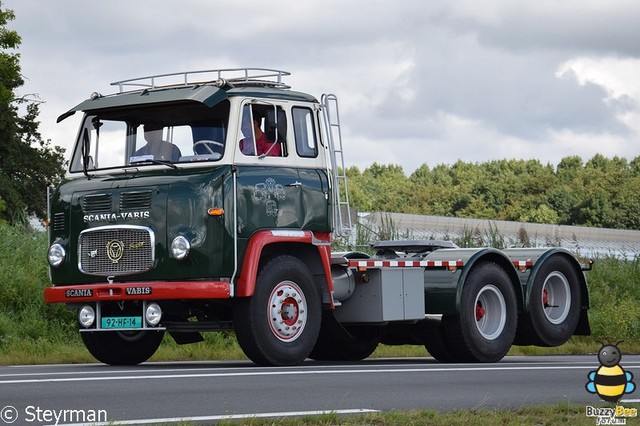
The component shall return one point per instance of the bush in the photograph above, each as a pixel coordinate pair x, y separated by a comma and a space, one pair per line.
23, 276
614, 286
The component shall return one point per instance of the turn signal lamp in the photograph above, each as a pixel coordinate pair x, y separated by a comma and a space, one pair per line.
215, 211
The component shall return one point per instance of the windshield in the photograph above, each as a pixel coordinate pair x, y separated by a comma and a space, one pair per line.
177, 133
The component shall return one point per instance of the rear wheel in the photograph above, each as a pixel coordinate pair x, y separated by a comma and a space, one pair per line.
122, 347
436, 343
554, 306
279, 324
330, 348
485, 327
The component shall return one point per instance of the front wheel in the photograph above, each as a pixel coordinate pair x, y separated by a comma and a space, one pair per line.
485, 327
122, 347
279, 324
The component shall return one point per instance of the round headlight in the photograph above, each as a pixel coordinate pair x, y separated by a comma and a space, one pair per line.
86, 316
56, 255
153, 314
180, 247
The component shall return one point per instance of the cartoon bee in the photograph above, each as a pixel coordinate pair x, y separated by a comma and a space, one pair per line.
610, 381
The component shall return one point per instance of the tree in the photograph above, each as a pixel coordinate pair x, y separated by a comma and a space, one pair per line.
379, 188
27, 163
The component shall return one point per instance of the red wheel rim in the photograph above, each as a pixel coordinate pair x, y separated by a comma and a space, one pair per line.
287, 311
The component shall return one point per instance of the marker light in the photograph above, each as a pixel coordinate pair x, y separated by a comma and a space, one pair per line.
215, 211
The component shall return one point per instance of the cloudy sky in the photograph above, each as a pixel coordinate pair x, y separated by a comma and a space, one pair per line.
418, 81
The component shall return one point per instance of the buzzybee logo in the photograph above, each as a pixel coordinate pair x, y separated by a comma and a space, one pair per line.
610, 381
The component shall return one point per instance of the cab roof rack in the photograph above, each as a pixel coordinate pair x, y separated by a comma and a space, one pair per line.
235, 76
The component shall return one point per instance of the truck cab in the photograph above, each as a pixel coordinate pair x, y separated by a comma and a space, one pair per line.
167, 185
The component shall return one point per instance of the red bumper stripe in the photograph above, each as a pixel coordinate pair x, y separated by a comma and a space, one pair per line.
153, 290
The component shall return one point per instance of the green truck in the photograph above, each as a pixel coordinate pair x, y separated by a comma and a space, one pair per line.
208, 201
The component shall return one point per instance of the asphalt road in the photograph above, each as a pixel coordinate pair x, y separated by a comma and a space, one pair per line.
208, 391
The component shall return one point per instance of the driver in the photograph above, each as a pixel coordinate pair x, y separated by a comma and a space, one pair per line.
263, 147
160, 149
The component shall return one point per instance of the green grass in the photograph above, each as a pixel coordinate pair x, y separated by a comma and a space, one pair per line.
30, 329
560, 414
34, 332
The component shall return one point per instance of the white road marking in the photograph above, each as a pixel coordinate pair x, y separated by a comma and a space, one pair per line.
227, 417
283, 372
104, 369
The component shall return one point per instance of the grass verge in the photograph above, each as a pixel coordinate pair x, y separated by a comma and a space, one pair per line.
560, 414
223, 346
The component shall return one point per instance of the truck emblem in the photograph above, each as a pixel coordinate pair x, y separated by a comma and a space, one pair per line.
78, 292
114, 217
115, 250
269, 192
137, 291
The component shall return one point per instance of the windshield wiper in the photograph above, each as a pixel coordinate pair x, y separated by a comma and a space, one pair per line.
146, 159
84, 150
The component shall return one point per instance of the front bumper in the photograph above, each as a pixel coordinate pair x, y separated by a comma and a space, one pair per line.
147, 290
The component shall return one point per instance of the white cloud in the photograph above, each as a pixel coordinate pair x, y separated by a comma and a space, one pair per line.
619, 76
418, 82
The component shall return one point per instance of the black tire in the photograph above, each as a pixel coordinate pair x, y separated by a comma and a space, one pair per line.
279, 324
435, 341
485, 327
328, 348
122, 347
554, 304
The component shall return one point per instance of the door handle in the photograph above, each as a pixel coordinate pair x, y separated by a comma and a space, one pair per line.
296, 183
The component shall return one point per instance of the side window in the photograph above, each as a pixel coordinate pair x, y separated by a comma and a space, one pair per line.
264, 131
248, 142
305, 132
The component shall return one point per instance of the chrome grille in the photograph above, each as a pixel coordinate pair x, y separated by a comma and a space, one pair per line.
116, 250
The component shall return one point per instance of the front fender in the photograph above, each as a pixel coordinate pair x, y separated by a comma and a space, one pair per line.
319, 242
